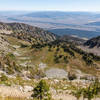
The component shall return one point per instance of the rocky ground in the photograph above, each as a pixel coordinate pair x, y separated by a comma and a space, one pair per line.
25, 92
30, 63
4, 45
56, 73
94, 50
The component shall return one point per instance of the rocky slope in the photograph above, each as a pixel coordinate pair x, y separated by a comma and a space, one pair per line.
92, 46
94, 42
73, 39
25, 59
4, 45
30, 46
26, 32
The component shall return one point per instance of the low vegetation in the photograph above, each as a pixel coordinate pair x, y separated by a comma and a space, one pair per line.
41, 91
90, 92
30, 58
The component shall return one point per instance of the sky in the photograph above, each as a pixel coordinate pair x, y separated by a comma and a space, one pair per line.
50, 5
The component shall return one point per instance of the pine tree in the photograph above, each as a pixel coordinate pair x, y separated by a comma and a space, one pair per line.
41, 91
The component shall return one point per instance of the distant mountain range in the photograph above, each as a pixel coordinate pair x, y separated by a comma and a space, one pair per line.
94, 24
82, 24
76, 32
29, 54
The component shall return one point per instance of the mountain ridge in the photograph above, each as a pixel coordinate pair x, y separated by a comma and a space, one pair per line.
26, 32
94, 42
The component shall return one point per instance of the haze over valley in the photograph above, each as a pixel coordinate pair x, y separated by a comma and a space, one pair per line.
73, 23
49, 50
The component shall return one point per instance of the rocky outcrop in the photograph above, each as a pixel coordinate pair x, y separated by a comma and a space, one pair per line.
4, 45
56, 73
26, 32
94, 42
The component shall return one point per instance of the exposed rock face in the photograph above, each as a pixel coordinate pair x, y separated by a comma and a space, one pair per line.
26, 32
94, 50
56, 73
75, 40
94, 42
4, 45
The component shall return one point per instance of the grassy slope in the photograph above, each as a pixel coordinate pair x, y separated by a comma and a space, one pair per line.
35, 57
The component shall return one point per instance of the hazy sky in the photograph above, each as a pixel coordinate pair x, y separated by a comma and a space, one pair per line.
58, 5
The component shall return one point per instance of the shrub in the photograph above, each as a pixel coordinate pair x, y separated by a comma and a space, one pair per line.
17, 67
36, 73
57, 49
92, 91
65, 59
71, 76
41, 91
56, 59
78, 93
87, 59
49, 49
9, 70
3, 77
24, 45
67, 49
10, 55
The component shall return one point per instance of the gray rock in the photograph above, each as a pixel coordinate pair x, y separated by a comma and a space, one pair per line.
56, 73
